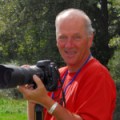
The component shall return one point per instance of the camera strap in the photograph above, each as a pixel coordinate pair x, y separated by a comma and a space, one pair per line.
74, 77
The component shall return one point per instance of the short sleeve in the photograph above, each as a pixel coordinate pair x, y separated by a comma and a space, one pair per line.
96, 97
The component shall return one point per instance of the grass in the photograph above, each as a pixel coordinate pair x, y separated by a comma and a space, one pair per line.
11, 109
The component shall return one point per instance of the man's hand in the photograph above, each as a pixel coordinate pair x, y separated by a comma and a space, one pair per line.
37, 95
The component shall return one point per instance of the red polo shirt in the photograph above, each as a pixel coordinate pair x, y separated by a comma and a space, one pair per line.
92, 95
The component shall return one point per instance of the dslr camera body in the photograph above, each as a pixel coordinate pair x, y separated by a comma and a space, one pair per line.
47, 71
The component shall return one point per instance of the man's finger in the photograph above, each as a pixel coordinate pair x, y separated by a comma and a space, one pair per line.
21, 89
37, 80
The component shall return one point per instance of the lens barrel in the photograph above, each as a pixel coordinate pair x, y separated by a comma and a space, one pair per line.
11, 76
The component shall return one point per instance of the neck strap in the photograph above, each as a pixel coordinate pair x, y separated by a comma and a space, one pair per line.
71, 81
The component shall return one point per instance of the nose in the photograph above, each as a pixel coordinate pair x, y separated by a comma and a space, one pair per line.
69, 43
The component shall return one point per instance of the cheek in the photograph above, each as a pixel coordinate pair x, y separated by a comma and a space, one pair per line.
60, 48
59, 45
81, 47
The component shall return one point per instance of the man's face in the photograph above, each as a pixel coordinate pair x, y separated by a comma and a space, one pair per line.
73, 41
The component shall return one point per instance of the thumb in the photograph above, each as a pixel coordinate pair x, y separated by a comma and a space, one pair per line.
21, 89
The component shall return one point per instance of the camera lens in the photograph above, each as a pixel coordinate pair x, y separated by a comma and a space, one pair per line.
7, 77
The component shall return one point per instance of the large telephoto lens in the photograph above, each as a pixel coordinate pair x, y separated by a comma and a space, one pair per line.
11, 76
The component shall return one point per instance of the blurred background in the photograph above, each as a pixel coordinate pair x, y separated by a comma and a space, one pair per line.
27, 35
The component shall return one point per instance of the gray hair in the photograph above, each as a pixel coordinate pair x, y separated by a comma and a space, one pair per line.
77, 12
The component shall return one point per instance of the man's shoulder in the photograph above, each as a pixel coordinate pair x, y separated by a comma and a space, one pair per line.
95, 68
95, 64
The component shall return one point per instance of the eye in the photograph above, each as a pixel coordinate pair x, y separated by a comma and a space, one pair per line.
77, 37
62, 38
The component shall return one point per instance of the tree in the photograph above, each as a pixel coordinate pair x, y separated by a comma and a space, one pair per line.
28, 28
25, 25
114, 62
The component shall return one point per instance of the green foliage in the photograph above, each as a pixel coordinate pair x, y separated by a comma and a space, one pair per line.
115, 41
24, 36
15, 116
114, 62
27, 32
114, 66
11, 109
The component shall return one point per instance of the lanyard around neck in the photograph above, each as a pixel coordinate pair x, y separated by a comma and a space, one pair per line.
72, 80
74, 77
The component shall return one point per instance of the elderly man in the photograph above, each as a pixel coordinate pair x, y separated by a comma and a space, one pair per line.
88, 91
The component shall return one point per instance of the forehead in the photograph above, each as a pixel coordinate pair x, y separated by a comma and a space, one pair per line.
70, 24
71, 19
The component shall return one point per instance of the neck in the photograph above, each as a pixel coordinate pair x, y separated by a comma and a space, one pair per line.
74, 68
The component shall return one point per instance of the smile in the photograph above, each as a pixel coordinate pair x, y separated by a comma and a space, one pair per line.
70, 53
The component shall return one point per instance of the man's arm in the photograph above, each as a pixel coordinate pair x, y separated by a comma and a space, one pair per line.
40, 96
31, 110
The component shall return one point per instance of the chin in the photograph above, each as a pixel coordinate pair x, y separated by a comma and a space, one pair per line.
70, 63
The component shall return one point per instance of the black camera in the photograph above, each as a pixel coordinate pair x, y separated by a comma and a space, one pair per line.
11, 76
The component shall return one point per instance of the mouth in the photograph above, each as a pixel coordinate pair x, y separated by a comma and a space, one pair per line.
70, 53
